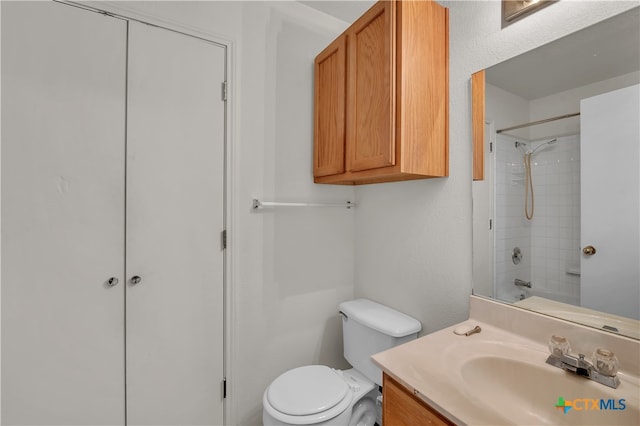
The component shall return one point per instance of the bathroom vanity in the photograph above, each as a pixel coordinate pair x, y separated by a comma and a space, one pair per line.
499, 375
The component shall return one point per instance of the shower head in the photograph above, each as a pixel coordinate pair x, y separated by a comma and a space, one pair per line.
552, 141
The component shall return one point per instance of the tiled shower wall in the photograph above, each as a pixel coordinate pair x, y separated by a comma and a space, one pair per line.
550, 242
555, 232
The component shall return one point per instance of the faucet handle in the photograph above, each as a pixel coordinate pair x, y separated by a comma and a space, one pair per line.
559, 345
605, 362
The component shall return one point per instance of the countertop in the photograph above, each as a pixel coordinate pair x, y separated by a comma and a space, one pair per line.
424, 365
431, 368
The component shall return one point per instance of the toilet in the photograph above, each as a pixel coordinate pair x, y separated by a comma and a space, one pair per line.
320, 395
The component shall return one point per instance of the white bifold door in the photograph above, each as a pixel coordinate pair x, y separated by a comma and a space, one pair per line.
175, 175
112, 209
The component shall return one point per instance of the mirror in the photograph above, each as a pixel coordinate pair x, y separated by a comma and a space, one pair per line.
556, 200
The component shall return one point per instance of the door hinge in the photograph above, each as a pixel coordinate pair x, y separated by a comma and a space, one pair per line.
224, 388
490, 224
490, 146
224, 239
224, 91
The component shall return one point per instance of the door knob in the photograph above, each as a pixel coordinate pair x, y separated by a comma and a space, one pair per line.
112, 282
135, 279
589, 250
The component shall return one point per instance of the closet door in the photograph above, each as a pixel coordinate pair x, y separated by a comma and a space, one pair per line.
610, 203
63, 118
175, 195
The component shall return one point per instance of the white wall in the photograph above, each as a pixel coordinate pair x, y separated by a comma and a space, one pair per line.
568, 102
292, 267
505, 109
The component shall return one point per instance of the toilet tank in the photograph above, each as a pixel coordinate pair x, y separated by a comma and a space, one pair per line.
368, 328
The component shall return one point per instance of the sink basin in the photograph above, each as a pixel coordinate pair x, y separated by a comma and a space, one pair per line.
530, 390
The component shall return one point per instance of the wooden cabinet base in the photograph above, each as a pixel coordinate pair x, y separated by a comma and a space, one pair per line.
401, 408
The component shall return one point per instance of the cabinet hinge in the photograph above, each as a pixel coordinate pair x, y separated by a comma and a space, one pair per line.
224, 91
224, 239
224, 388
490, 224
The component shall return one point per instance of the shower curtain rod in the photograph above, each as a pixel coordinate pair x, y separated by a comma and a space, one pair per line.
546, 120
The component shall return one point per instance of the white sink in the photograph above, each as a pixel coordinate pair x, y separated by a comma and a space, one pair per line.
530, 392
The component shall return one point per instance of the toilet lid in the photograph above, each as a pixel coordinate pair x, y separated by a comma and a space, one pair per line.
307, 390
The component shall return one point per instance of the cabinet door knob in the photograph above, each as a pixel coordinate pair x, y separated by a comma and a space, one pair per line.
135, 279
589, 250
112, 282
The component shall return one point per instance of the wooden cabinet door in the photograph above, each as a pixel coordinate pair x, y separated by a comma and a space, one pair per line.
394, 123
371, 89
63, 179
329, 117
400, 408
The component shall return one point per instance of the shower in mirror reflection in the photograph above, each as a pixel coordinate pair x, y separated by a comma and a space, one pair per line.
550, 242
529, 197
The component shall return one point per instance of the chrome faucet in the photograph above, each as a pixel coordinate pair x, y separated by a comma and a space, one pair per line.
581, 367
521, 283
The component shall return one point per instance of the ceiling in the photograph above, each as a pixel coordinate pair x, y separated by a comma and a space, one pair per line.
347, 11
605, 50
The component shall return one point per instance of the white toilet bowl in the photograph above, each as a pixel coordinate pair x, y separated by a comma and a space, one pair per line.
319, 395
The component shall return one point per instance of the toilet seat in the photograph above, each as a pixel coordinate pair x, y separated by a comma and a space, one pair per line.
307, 395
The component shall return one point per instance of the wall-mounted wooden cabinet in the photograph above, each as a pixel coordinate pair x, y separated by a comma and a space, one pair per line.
381, 97
401, 408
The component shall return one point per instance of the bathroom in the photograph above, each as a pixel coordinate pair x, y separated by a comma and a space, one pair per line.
405, 244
